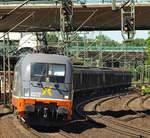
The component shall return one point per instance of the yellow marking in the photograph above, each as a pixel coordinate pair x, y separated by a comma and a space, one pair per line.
49, 90
63, 85
43, 91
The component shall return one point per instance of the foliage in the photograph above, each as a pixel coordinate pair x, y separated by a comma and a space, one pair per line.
51, 37
135, 42
100, 40
106, 41
148, 49
79, 39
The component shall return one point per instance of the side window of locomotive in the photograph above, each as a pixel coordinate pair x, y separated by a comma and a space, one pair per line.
56, 73
38, 71
15, 80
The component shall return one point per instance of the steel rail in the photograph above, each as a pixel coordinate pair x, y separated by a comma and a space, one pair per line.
141, 104
79, 110
32, 131
40, 134
43, 135
129, 130
65, 134
6, 113
129, 101
143, 101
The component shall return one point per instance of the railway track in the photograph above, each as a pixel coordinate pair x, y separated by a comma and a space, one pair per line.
31, 130
121, 127
129, 102
79, 107
5, 110
36, 133
143, 105
142, 99
137, 113
41, 134
111, 124
65, 134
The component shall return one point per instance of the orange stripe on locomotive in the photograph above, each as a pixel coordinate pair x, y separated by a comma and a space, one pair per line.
19, 104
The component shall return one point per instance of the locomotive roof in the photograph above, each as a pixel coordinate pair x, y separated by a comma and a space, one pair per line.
45, 58
80, 68
86, 67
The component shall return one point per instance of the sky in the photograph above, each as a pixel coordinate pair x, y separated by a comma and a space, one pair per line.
116, 35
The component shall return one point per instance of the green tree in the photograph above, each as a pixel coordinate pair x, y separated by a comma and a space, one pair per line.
106, 41
79, 39
51, 37
136, 42
148, 48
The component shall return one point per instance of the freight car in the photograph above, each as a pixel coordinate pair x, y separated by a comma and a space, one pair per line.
44, 86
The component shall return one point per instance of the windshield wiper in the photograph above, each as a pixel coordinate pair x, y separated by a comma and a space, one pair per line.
38, 84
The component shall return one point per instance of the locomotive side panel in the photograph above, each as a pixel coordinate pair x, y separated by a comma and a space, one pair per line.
85, 79
88, 79
45, 90
17, 81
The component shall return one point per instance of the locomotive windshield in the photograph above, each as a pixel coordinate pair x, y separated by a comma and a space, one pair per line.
48, 72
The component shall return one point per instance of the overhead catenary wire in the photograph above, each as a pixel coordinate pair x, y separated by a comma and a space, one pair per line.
75, 33
25, 19
13, 10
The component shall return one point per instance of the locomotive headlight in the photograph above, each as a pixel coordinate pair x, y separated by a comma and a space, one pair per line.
26, 92
66, 97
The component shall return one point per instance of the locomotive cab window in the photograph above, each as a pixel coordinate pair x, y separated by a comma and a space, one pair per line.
48, 72
56, 73
38, 72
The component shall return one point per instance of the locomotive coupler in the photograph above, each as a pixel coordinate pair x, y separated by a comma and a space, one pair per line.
45, 112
